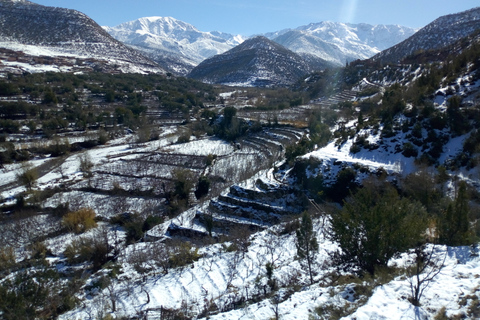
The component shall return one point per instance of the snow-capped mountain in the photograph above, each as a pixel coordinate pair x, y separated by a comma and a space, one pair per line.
440, 33
256, 62
176, 45
340, 42
179, 46
37, 30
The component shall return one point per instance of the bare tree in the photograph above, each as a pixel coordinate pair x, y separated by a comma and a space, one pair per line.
61, 169
240, 237
27, 176
86, 165
426, 267
161, 256
275, 301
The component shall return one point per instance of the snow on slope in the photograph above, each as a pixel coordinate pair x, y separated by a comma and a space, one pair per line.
167, 37
220, 278
170, 39
339, 42
441, 32
42, 31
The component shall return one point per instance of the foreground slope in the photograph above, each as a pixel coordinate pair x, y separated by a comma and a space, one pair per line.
38, 30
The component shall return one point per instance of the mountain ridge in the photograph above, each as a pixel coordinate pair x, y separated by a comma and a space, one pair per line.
184, 46
41, 30
442, 32
341, 42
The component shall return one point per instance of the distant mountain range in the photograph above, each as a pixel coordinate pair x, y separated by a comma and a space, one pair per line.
36, 38
35, 30
235, 66
179, 47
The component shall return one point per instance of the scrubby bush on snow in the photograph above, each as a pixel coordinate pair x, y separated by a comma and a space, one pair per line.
80, 221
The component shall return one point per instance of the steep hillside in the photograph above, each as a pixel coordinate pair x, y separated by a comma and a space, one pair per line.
440, 33
175, 45
39, 30
255, 62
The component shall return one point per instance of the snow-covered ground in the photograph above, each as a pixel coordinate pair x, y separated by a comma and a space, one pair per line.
223, 279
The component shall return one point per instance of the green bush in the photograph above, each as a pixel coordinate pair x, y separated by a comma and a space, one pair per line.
408, 150
203, 186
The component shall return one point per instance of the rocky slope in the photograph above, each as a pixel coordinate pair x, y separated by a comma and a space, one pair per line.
40, 30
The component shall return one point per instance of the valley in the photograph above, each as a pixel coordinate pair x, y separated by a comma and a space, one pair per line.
281, 191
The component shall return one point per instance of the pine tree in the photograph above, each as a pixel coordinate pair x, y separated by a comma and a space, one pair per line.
454, 225
307, 245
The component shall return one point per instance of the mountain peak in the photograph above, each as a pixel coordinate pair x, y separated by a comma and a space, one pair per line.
258, 42
175, 45
337, 42
257, 61
158, 25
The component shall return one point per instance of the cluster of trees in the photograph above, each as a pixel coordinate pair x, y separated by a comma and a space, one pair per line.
380, 220
93, 99
319, 136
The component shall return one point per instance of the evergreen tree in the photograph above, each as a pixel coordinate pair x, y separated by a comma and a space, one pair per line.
374, 225
307, 245
454, 225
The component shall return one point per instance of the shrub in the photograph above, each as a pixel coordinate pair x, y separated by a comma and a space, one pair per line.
209, 159
203, 186
7, 258
409, 150
94, 250
183, 254
134, 230
86, 165
343, 186
441, 314
184, 138
151, 222
80, 221
28, 176
454, 225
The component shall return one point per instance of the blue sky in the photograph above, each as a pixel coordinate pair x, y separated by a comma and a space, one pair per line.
248, 17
